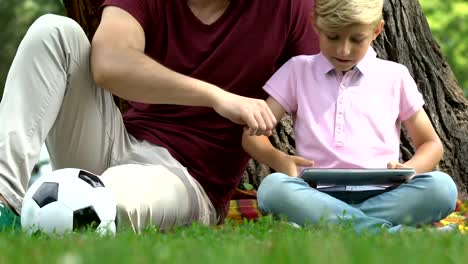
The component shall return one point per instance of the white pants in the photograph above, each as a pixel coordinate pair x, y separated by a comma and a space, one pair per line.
50, 96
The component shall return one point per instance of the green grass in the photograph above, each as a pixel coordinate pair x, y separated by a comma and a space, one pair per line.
266, 241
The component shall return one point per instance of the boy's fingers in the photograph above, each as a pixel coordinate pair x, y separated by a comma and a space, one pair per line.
391, 165
402, 166
302, 161
397, 165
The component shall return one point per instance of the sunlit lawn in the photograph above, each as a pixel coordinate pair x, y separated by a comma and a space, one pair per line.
266, 241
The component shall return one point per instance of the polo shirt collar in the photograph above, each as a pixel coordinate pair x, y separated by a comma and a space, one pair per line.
364, 66
325, 65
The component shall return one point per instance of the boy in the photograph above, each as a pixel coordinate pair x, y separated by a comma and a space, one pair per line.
348, 106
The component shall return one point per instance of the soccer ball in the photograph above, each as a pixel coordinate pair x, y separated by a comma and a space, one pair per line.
68, 200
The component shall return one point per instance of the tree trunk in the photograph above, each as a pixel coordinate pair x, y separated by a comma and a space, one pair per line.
85, 12
406, 39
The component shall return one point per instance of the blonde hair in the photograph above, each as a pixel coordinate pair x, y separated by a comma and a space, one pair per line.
332, 15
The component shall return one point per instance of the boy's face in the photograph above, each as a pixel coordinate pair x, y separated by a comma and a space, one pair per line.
346, 47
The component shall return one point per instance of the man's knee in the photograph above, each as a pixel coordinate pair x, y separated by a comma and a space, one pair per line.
136, 184
148, 196
48, 25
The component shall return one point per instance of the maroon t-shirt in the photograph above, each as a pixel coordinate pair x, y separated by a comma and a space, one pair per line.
238, 52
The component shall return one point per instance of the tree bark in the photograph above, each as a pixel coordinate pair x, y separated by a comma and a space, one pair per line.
406, 39
85, 12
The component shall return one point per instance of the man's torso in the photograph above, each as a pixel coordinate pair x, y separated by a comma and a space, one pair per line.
238, 53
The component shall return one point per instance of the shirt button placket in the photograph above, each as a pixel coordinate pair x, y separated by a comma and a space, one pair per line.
339, 117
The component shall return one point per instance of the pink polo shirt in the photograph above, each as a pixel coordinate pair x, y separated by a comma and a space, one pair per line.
349, 120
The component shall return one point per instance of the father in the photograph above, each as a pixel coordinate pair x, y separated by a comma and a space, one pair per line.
192, 72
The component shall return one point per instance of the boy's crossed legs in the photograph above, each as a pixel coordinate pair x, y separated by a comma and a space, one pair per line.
425, 199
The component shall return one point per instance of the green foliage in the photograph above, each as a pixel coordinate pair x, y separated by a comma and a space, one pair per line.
267, 241
247, 186
449, 24
15, 18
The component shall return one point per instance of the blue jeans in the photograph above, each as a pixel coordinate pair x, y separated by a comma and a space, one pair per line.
425, 199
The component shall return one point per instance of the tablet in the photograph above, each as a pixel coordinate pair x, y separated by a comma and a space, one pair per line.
318, 176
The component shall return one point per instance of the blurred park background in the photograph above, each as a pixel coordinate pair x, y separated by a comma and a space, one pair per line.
447, 19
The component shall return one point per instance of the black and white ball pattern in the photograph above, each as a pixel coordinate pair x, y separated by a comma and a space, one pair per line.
69, 200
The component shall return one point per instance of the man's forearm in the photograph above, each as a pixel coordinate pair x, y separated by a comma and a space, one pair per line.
134, 76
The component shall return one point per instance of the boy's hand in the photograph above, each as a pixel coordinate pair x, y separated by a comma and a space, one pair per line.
290, 164
398, 165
